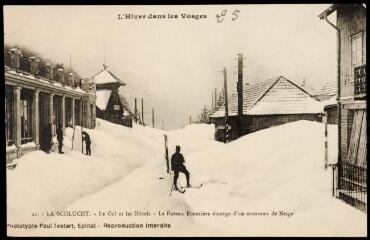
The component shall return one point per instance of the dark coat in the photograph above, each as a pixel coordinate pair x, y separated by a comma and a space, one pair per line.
46, 138
177, 161
60, 135
86, 138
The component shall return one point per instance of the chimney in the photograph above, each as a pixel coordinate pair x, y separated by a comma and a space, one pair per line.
49, 74
15, 58
34, 65
240, 85
59, 74
71, 79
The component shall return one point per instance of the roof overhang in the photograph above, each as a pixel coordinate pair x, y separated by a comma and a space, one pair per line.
334, 7
328, 11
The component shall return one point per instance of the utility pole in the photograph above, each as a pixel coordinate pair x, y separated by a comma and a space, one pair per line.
226, 107
190, 119
153, 117
135, 111
240, 93
142, 110
215, 99
212, 106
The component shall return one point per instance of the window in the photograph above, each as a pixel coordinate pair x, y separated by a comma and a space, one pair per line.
357, 50
26, 116
9, 138
92, 114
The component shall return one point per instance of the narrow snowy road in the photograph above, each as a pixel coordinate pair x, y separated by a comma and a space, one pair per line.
245, 183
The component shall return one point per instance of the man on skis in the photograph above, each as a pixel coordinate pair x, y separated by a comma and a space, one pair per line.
177, 165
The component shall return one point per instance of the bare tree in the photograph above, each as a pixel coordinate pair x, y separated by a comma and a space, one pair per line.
204, 115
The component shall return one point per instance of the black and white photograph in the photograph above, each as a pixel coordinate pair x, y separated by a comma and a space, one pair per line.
217, 120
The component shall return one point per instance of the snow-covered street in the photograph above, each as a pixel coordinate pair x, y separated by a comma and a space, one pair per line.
245, 181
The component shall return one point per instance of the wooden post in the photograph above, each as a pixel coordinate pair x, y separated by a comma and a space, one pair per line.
82, 120
73, 113
63, 114
226, 108
135, 111
142, 111
325, 120
153, 117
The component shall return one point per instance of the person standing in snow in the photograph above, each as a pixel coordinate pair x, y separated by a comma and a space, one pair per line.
60, 138
177, 165
86, 138
46, 139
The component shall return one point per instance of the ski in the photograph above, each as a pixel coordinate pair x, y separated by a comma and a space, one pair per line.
198, 186
181, 191
178, 190
166, 152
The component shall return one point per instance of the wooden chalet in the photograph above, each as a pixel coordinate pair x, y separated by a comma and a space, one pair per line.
108, 101
351, 175
265, 104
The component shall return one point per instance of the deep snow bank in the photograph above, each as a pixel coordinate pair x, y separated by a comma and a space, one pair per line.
52, 181
276, 169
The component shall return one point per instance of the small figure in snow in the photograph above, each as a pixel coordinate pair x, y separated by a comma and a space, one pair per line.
60, 138
177, 165
46, 138
86, 138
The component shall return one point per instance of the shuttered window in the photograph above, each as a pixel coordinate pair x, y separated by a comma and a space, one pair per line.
357, 147
357, 50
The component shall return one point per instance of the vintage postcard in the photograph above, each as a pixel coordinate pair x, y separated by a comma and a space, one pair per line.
186, 120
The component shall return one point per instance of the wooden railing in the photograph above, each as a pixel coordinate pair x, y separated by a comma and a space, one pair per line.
360, 82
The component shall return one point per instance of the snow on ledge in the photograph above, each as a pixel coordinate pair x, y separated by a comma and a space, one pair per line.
29, 145
11, 148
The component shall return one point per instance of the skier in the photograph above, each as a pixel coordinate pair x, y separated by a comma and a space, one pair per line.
86, 138
177, 165
60, 138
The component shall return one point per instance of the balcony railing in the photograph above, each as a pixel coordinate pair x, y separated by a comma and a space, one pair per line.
360, 82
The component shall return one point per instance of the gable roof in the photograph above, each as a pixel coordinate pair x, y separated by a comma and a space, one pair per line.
273, 96
102, 98
105, 76
329, 88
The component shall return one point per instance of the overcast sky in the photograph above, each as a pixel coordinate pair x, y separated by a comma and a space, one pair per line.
174, 64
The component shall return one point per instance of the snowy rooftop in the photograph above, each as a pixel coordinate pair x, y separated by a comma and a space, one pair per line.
273, 96
330, 101
102, 98
29, 76
329, 88
106, 76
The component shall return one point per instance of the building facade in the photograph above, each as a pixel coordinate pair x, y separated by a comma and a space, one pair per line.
38, 93
266, 104
351, 100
